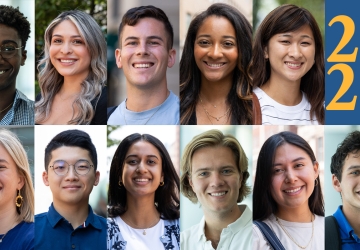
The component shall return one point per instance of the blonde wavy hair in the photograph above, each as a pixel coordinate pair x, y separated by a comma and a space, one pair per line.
15, 149
213, 138
50, 80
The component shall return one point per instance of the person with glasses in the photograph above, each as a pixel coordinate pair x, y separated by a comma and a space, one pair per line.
15, 107
70, 172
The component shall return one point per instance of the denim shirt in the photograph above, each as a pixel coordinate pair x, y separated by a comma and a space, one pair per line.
170, 239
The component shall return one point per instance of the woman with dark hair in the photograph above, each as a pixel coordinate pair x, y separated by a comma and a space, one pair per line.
287, 194
288, 68
143, 196
215, 85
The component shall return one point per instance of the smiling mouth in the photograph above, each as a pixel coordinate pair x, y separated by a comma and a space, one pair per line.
3, 71
141, 180
215, 65
218, 194
293, 65
290, 191
142, 65
67, 61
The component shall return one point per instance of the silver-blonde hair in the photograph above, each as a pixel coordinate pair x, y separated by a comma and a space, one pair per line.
15, 149
213, 138
50, 80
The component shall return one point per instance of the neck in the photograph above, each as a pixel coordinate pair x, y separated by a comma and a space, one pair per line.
75, 214
70, 87
300, 214
141, 99
352, 215
215, 222
215, 92
286, 93
8, 218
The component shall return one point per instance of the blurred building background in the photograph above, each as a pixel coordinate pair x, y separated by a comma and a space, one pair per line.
116, 78
191, 213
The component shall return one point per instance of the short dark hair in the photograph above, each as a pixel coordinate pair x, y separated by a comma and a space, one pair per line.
13, 18
265, 203
71, 138
167, 196
350, 145
132, 16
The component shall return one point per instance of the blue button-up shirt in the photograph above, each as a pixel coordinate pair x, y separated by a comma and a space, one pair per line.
21, 112
52, 232
349, 240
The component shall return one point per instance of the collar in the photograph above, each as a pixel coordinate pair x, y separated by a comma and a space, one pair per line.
54, 218
19, 96
343, 222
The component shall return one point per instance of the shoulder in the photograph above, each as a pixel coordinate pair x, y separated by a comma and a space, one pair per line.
41, 216
189, 236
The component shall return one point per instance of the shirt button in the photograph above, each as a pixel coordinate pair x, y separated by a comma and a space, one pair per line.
162, 237
73, 246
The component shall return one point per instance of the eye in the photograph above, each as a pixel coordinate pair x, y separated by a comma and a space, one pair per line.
131, 43
2, 167
357, 172
278, 171
77, 41
153, 43
299, 165
151, 162
8, 48
204, 174
227, 171
57, 41
132, 162
306, 43
203, 42
229, 44
285, 42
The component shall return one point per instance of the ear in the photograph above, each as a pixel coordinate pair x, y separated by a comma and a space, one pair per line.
162, 177
118, 58
21, 182
190, 181
336, 183
23, 57
266, 54
316, 169
45, 178
97, 178
171, 59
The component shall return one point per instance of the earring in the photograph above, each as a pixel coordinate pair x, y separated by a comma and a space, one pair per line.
316, 182
19, 197
120, 183
162, 183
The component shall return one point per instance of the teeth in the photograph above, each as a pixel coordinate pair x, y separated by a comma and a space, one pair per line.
141, 180
215, 65
67, 61
2, 71
142, 65
218, 194
293, 64
292, 191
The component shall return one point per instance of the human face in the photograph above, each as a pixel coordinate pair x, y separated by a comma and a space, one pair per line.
144, 55
70, 189
293, 178
142, 171
9, 68
215, 49
215, 179
349, 187
291, 55
68, 52
10, 180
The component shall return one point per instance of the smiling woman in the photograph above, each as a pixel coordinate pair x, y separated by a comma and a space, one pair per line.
72, 72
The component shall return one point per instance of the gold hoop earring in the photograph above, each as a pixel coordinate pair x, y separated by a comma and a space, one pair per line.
120, 183
19, 197
316, 182
162, 183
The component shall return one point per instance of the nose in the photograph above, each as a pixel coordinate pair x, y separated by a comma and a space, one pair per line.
215, 51
66, 48
71, 174
290, 176
216, 180
141, 169
142, 49
295, 51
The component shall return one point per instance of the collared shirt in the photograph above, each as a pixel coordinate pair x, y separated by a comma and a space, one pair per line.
52, 231
21, 112
349, 240
237, 235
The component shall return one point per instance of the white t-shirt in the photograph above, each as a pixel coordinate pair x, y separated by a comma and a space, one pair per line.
300, 232
235, 236
274, 113
137, 240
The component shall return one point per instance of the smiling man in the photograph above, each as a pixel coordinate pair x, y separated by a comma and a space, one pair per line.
15, 107
345, 169
214, 173
70, 172
145, 52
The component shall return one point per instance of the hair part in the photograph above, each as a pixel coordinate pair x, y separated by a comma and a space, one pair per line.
213, 138
71, 138
350, 145
132, 17
265, 203
167, 196
51, 81
17, 152
289, 18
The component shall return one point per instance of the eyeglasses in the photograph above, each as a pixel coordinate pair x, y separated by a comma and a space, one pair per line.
81, 167
8, 50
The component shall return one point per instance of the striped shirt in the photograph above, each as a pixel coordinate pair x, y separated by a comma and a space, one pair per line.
21, 112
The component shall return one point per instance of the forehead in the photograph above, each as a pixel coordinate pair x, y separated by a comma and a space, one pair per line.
70, 154
9, 34
145, 27
352, 160
216, 26
143, 148
303, 31
289, 152
4, 155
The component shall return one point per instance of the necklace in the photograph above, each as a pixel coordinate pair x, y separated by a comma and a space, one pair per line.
3, 111
149, 117
131, 225
210, 115
291, 238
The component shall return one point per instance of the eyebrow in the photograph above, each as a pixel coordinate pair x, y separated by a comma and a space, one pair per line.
3, 160
8, 41
207, 36
137, 38
138, 156
220, 168
353, 167
295, 160
63, 36
302, 36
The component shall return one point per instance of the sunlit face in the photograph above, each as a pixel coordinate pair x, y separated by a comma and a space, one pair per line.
215, 178
142, 171
293, 177
215, 49
349, 187
144, 55
71, 188
10, 180
68, 52
291, 55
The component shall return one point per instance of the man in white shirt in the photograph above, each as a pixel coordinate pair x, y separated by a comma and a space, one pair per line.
214, 173
145, 52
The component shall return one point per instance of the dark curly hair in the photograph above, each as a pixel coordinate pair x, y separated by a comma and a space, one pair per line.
350, 145
13, 18
167, 196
